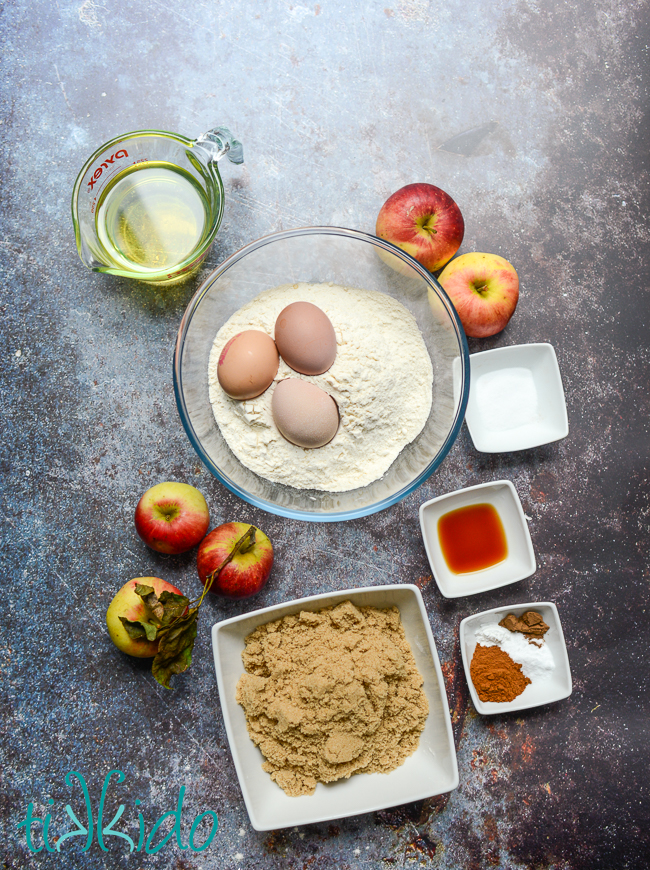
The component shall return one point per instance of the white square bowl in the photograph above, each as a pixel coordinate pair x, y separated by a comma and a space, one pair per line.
518, 564
431, 770
557, 687
516, 400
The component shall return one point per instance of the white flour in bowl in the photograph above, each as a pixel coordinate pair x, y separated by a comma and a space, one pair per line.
381, 380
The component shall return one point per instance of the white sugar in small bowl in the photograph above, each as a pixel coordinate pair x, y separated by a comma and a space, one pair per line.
431, 770
518, 564
516, 399
557, 686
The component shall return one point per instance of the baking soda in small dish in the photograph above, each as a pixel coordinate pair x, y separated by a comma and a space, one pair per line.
516, 399
507, 399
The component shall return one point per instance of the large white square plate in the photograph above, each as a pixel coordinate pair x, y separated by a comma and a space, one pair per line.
557, 687
516, 400
518, 564
431, 770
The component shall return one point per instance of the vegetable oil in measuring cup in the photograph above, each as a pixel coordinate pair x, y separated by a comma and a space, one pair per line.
151, 217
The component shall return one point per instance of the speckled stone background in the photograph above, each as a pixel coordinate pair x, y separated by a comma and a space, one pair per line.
338, 104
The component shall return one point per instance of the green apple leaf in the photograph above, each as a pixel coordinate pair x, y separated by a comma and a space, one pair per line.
151, 630
159, 613
174, 605
152, 603
164, 609
175, 645
171, 619
135, 630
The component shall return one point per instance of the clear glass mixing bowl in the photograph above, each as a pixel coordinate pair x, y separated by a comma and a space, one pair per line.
319, 255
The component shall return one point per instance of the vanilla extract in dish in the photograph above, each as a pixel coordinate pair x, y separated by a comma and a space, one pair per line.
472, 538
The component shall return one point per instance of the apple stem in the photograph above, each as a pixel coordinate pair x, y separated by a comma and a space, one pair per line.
243, 545
428, 224
246, 542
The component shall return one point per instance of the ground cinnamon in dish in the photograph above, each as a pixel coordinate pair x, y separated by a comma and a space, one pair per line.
330, 694
495, 675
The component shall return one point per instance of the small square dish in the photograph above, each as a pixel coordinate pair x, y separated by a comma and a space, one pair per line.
519, 561
516, 399
546, 689
431, 770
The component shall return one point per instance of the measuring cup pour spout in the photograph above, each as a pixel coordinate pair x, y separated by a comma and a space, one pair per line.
219, 142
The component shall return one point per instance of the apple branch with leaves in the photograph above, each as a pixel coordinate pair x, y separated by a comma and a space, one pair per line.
171, 619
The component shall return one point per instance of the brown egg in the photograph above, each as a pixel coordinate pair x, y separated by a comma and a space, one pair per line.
304, 414
305, 338
247, 364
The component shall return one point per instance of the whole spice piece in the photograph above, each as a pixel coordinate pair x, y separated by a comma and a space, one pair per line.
529, 623
495, 675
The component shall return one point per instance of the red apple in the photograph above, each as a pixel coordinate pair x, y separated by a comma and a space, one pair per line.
172, 517
484, 289
127, 603
250, 567
424, 221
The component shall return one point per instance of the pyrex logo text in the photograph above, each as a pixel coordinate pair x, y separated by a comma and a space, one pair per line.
97, 173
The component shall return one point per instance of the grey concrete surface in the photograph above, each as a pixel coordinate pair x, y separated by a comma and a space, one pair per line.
338, 104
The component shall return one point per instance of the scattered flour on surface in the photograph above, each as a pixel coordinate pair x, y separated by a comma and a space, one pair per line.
381, 380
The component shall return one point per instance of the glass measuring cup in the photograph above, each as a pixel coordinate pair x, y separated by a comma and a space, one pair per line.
148, 204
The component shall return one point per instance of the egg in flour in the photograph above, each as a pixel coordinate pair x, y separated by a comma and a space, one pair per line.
247, 364
304, 414
305, 338
383, 397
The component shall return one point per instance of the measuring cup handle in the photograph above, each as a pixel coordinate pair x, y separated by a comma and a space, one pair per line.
219, 142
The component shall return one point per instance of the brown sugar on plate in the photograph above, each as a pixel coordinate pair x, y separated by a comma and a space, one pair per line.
331, 693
